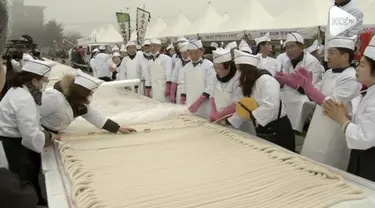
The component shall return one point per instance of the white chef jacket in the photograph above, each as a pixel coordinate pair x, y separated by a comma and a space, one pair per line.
101, 65
143, 66
19, 118
282, 58
270, 64
353, 10
360, 134
56, 113
178, 74
266, 92
231, 87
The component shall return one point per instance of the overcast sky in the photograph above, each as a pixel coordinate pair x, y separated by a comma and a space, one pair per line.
85, 15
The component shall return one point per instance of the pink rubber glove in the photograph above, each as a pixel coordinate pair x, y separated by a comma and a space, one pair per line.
226, 111
287, 79
148, 92
197, 104
182, 100
311, 92
172, 97
213, 114
167, 90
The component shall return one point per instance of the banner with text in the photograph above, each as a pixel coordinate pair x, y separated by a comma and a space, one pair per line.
123, 19
143, 18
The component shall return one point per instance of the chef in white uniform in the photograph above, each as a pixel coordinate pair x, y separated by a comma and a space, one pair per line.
297, 104
123, 51
359, 129
69, 99
282, 58
22, 138
101, 65
199, 76
144, 61
214, 45
267, 111
92, 60
129, 68
115, 49
160, 73
264, 48
350, 7
177, 55
178, 93
324, 140
226, 91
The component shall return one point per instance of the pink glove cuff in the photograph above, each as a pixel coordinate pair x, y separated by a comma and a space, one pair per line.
228, 110
213, 105
314, 94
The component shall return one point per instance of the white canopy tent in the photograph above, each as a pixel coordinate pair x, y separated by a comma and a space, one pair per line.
177, 28
89, 39
110, 35
315, 14
368, 13
251, 16
100, 32
206, 23
156, 29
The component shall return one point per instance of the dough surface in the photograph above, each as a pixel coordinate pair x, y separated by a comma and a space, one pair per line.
186, 162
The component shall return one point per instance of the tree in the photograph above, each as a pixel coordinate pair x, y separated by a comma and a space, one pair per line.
53, 31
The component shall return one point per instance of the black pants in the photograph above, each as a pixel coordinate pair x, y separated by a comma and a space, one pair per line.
106, 79
15, 193
279, 132
361, 163
25, 163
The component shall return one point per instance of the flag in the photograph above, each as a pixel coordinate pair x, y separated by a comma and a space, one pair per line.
143, 18
123, 19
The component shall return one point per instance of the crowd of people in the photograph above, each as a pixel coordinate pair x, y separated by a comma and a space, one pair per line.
240, 88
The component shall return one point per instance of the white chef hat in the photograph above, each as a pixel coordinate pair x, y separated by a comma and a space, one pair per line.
214, 45
294, 37
102, 47
115, 48
243, 46
26, 57
138, 47
181, 39
183, 47
342, 42
195, 44
123, 48
95, 50
116, 54
221, 55
156, 41
42, 68
231, 45
370, 49
130, 43
241, 57
170, 46
264, 38
146, 42
87, 81
313, 47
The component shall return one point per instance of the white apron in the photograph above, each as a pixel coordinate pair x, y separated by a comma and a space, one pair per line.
195, 84
325, 141
158, 80
131, 69
180, 86
223, 96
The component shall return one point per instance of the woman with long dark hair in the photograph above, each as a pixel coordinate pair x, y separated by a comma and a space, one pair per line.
261, 103
20, 134
71, 98
359, 129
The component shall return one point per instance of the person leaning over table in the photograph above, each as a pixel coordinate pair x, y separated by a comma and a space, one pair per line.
71, 98
359, 130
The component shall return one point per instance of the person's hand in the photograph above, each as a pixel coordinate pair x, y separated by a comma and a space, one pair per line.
126, 130
336, 111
